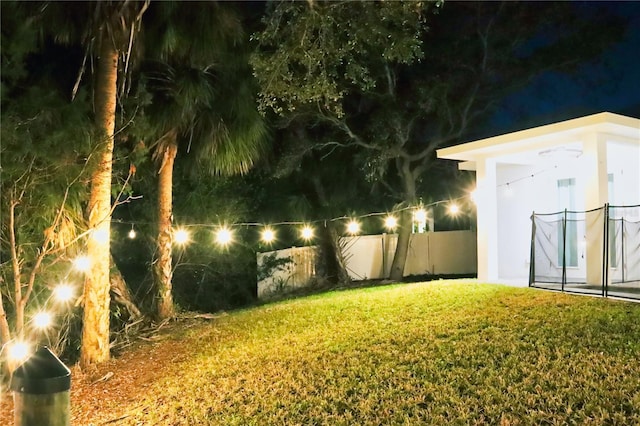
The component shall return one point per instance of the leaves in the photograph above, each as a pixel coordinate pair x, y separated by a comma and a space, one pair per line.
311, 56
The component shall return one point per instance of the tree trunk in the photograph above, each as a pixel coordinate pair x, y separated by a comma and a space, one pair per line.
331, 253
5, 332
121, 293
162, 267
95, 325
333, 262
408, 178
402, 247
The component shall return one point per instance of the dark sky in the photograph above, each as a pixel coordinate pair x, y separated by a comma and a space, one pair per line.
610, 84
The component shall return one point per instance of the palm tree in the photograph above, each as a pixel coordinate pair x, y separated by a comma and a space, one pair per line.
116, 22
107, 31
202, 97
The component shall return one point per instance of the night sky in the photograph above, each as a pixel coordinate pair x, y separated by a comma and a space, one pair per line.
611, 84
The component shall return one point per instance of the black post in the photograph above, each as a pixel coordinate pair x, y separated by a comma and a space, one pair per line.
532, 258
605, 253
41, 391
622, 246
564, 249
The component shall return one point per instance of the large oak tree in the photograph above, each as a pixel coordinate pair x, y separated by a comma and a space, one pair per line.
397, 89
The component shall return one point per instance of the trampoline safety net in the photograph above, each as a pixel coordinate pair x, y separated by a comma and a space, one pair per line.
569, 253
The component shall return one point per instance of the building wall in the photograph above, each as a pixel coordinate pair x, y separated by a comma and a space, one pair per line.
515, 205
538, 192
623, 162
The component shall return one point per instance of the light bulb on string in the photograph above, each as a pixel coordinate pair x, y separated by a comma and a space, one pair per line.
100, 235
454, 209
268, 235
474, 196
42, 320
18, 352
353, 227
181, 236
420, 215
391, 223
224, 236
63, 292
132, 233
306, 232
82, 263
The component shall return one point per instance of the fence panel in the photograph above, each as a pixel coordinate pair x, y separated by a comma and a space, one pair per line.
624, 252
370, 257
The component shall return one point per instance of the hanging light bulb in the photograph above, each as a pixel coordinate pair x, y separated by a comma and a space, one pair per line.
42, 320
224, 236
307, 233
420, 215
132, 233
82, 263
18, 351
454, 209
100, 235
268, 235
63, 292
474, 196
391, 223
353, 227
181, 236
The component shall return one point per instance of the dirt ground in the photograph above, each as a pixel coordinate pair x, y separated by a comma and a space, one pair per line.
97, 394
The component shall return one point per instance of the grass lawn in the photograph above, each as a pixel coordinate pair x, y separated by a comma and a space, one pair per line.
445, 352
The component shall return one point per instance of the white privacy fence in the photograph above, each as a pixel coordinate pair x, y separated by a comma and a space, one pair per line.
370, 257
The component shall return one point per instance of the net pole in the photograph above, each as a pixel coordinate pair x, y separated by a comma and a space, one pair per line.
622, 246
532, 258
605, 252
564, 249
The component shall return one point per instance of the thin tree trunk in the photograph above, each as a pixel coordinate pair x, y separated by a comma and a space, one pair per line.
121, 293
17, 275
5, 332
95, 325
163, 264
402, 247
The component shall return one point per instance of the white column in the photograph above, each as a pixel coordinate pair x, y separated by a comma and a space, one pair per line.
594, 152
486, 204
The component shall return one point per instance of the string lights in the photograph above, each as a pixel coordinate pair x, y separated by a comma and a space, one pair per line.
18, 351
63, 292
82, 263
508, 185
306, 232
42, 320
181, 236
101, 235
268, 235
391, 223
224, 236
353, 227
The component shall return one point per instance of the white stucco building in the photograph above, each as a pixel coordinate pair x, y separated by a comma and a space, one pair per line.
578, 165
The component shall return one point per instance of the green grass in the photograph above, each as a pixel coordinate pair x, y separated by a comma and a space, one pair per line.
426, 353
